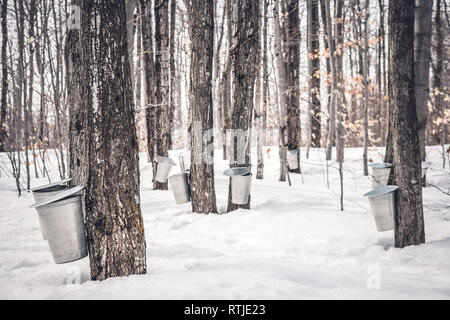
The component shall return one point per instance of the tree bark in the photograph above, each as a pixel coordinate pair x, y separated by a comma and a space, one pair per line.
115, 229
314, 73
200, 96
244, 54
366, 91
422, 58
4, 93
281, 79
292, 79
78, 117
334, 93
162, 84
409, 223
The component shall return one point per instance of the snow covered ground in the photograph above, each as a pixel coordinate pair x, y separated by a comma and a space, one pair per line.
294, 243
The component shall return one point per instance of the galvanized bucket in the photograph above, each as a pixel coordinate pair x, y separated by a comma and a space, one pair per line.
179, 184
44, 192
163, 168
241, 179
382, 203
292, 159
380, 174
62, 218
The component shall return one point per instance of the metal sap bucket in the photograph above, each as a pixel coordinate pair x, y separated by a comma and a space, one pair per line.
382, 203
163, 168
44, 192
292, 159
380, 174
63, 221
241, 179
179, 184
424, 168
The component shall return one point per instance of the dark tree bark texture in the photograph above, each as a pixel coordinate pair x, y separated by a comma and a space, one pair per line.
409, 222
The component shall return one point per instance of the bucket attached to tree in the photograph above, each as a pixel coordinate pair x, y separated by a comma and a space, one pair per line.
62, 218
44, 192
382, 203
380, 174
292, 159
163, 168
179, 184
241, 179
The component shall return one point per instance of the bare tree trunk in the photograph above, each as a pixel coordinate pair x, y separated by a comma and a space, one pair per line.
140, 118
327, 60
4, 94
281, 77
32, 13
149, 73
162, 84
422, 58
22, 97
440, 130
202, 142
314, 73
172, 75
409, 224
226, 84
334, 93
366, 90
78, 117
292, 79
259, 101
244, 54
115, 229
340, 95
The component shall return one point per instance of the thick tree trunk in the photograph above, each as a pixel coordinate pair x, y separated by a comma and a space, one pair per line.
422, 58
78, 117
115, 229
202, 142
409, 224
244, 54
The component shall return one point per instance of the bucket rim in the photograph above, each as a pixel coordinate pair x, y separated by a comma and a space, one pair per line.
380, 191
62, 202
178, 174
380, 165
165, 160
49, 185
236, 171
58, 196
